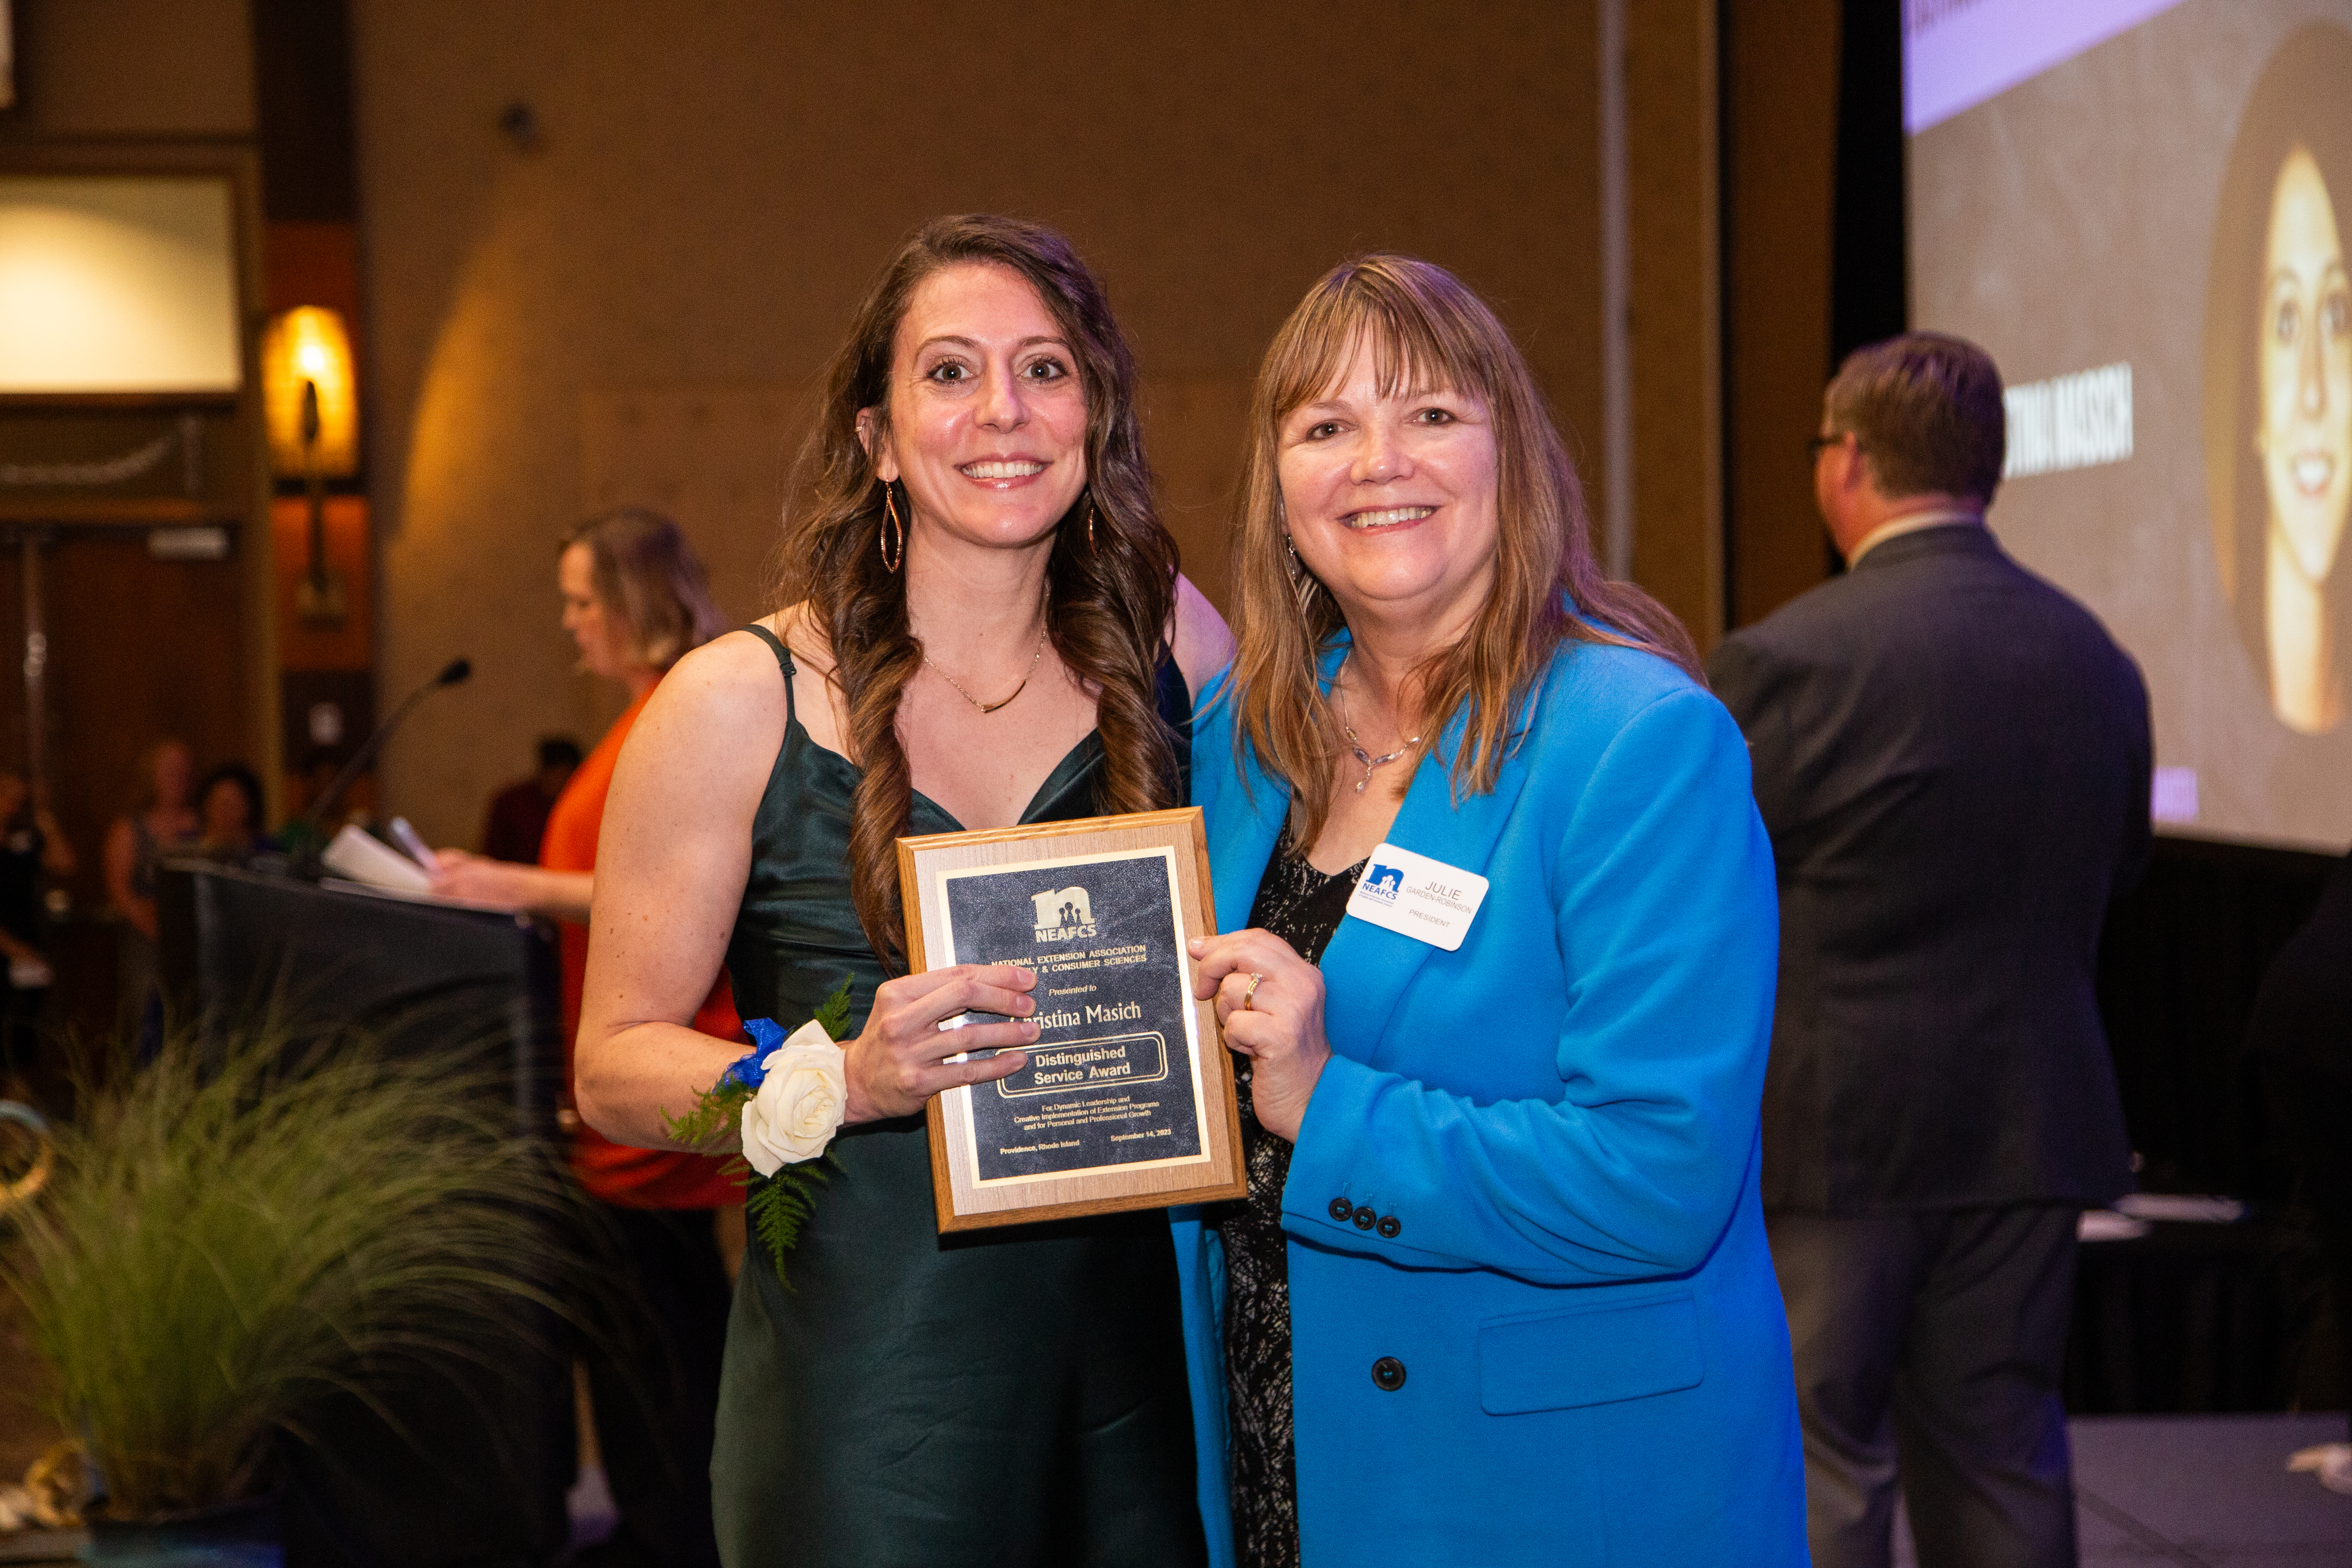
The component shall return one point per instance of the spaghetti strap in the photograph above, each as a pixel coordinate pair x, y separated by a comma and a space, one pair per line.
784, 660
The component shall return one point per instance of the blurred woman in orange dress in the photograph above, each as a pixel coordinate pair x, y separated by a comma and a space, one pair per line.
636, 600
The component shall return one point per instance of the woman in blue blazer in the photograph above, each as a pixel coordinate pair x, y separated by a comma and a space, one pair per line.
1500, 1292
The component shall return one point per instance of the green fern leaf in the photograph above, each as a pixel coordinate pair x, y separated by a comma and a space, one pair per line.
833, 1012
778, 1208
717, 1113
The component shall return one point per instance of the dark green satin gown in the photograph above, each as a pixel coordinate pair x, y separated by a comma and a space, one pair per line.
1009, 1397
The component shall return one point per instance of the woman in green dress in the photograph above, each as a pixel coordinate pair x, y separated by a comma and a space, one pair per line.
985, 625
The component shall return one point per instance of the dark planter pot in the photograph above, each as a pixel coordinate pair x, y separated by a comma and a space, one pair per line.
226, 1535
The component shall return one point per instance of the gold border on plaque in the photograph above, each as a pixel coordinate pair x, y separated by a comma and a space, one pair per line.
1216, 1174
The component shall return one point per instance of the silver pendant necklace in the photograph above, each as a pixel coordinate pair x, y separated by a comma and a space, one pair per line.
1354, 744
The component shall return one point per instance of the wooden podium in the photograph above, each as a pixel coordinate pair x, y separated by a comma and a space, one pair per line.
471, 1475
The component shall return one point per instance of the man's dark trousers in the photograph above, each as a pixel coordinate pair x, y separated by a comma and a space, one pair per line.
1935, 1339
1952, 758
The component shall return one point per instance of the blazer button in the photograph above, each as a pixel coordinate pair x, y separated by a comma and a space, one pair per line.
1364, 1219
1388, 1374
1341, 1208
1388, 1227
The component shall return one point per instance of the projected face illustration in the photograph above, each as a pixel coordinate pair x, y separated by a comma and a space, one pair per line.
2306, 369
2278, 396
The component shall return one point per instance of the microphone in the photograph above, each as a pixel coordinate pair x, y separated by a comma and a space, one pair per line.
452, 673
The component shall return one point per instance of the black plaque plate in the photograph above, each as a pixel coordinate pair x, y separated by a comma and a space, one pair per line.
1112, 1080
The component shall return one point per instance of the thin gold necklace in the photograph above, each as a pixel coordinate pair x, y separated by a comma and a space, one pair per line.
992, 707
1339, 705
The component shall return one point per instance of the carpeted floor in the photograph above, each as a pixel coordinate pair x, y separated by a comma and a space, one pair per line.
25, 1429
2188, 1491
2202, 1491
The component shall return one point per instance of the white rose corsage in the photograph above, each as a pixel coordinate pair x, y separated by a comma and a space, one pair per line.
798, 1103
786, 1096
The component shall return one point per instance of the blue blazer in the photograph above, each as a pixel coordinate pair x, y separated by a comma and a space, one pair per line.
1561, 1119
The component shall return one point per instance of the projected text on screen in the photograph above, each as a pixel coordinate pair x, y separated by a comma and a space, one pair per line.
2077, 421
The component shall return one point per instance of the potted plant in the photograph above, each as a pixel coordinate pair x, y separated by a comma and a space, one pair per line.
234, 1231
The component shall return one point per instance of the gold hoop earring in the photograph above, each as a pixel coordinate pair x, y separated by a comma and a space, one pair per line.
891, 525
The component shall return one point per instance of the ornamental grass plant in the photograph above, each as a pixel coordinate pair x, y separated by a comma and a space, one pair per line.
236, 1232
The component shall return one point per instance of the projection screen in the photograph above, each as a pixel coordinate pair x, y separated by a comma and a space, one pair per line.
2140, 206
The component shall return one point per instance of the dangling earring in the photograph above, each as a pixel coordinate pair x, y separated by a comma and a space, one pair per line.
892, 558
1091, 527
1302, 581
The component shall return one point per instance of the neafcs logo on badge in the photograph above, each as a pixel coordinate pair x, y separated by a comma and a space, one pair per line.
1384, 882
1064, 914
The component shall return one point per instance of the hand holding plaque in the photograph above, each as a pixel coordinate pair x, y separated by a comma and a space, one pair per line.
1126, 1098
900, 1060
1269, 1007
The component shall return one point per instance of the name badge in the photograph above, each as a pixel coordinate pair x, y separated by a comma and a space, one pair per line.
1415, 895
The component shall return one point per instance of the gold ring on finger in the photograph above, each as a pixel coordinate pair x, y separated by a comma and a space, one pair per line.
1249, 995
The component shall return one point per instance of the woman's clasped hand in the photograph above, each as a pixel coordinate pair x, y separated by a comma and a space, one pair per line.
1269, 1004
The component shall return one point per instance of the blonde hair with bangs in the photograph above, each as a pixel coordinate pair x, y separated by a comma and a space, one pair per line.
1425, 328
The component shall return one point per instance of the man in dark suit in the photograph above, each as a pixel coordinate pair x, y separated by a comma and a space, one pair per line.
1952, 757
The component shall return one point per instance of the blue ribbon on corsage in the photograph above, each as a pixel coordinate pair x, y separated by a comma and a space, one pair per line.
749, 1070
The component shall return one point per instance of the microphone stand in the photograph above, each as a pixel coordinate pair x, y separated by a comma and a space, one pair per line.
313, 822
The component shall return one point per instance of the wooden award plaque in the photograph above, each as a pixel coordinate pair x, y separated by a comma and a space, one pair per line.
1128, 1100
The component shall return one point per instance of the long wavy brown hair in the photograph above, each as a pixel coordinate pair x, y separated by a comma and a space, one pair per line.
1424, 328
1110, 597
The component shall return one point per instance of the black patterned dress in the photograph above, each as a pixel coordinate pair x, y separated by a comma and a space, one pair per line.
1304, 907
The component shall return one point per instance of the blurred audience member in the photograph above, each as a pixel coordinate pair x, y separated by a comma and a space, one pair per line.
518, 818
31, 847
636, 601
162, 820
229, 802
2301, 1032
1952, 758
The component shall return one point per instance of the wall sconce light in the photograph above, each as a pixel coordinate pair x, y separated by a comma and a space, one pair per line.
311, 406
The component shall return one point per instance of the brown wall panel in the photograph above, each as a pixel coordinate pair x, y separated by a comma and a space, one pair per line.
1676, 308
1780, 95
132, 68
323, 645
709, 189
